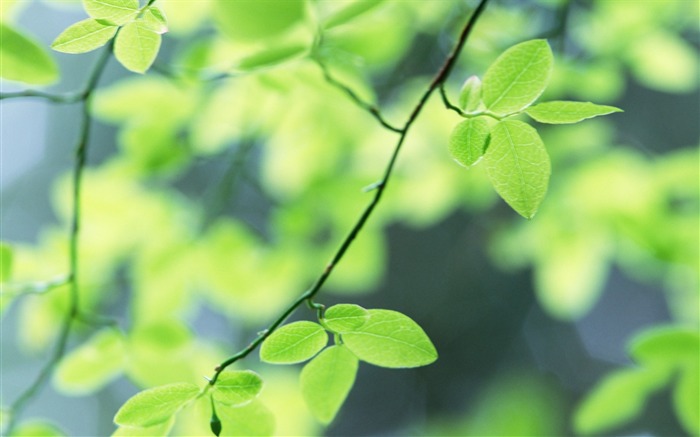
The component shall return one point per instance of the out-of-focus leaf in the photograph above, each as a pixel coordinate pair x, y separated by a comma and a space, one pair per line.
666, 344
350, 12
255, 19
37, 429
155, 20
252, 419
686, 397
272, 56
5, 262
84, 36
161, 429
24, 59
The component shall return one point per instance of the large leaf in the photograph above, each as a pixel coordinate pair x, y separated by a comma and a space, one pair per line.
468, 141
350, 12
391, 339
518, 77
518, 165
114, 11
294, 343
666, 344
345, 317
686, 398
156, 405
84, 36
252, 419
236, 387
25, 60
561, 112
326, 381
136, 46
255, 19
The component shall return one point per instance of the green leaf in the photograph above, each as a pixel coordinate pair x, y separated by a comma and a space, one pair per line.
161, 429
468, 141
518, 77
154, 19
686, 398
136, 47
617, 399
561, 112
236, 387
24, 60
668, 345
272, 56
84, 36
326, 381
118, 12
155, 405
5, 262
470, 95
294, 343
518, 165
254, 19
92, 365
37, 428
345, 317
391, 339
350, 12
252, 419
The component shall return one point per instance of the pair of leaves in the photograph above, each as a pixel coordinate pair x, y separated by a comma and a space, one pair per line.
516, 160
138, 32
381, 337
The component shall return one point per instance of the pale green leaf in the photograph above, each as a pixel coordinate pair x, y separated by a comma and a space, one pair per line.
136, 47
686, 398
345, 317
668, 345
155, 405
326, 381
518, 77
252, 419
24, 60
294, 343
518, 165
84, 36
350, 12
5, 262
118, 12
161, 429
255, 19
470, 94
155, 20
561, 112
272, 56
617, 399
92, 365
236, 387
391, 339
37, 429
468, 141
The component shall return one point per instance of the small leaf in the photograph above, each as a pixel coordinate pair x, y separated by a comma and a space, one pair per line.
83, 36
5, 262
686, 398
518, 77
237, 387
560, 112
468, 141
326, 381
161, 429
136, 47
250, 20
155, 405
666, 344
350, 12
24, 60
155, 20
294, 343
345, 317
252, 419
518, 165
470, 95
391, 339
118, 12
272, 56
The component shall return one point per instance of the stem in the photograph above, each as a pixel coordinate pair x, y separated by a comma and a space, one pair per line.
72, 313
439, 78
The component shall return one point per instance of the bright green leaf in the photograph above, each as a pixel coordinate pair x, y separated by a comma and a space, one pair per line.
156, 405
5, 262
468, 141
559, 112
345, 317
236, 387
252, 419
161, 429
136, 46
83, 36
155, 20
37, 429
294, 343
518, 165
518, 77
272, 56
470, 95
326, 381
686, 398
391, 339
350, 12
24, 60
666, 344
118, 12
255, 19
92, 365
617, 399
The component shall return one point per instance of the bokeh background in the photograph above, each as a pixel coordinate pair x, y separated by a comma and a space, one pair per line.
211, 202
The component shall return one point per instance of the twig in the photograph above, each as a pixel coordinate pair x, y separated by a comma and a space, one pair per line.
309, 294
